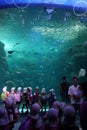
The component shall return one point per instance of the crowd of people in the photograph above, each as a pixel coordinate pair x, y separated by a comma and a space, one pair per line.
25, 99
61, 115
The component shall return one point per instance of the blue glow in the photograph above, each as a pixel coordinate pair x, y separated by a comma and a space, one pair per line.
26, 3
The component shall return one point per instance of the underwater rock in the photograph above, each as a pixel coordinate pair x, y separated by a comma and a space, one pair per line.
3, 60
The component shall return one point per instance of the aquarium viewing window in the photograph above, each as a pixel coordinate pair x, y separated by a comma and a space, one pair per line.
42, 40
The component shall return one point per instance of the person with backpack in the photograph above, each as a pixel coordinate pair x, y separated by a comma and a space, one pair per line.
69, 118
12, 112
4, 119
33, 120
52, 122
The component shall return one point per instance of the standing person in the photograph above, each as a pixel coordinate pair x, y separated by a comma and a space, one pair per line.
83, 107
43, 99
18, 97
69, 118
52, 120
4, 93
75, 94
12, 112
24, 100
64, 86
33, 120
30, 97
36, 95
51, 97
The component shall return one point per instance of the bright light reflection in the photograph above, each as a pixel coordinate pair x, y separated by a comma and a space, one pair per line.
8, 45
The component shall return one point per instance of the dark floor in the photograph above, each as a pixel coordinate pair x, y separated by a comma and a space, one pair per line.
24, 115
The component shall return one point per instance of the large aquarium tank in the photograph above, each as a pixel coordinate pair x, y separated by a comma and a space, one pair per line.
39, 43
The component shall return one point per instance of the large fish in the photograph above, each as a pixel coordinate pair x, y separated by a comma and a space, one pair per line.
11, 51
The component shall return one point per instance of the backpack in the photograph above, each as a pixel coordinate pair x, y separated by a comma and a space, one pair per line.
43, 99
50, 127
27, 124
11, 115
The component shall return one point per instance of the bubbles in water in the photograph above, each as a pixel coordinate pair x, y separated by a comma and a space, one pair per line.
79, 8
23, 4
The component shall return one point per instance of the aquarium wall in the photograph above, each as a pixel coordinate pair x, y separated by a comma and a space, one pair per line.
38, 47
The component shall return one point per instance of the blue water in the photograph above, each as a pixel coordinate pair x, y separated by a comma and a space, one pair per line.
45, 47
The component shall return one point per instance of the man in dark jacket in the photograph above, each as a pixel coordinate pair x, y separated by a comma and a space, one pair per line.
64, 86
